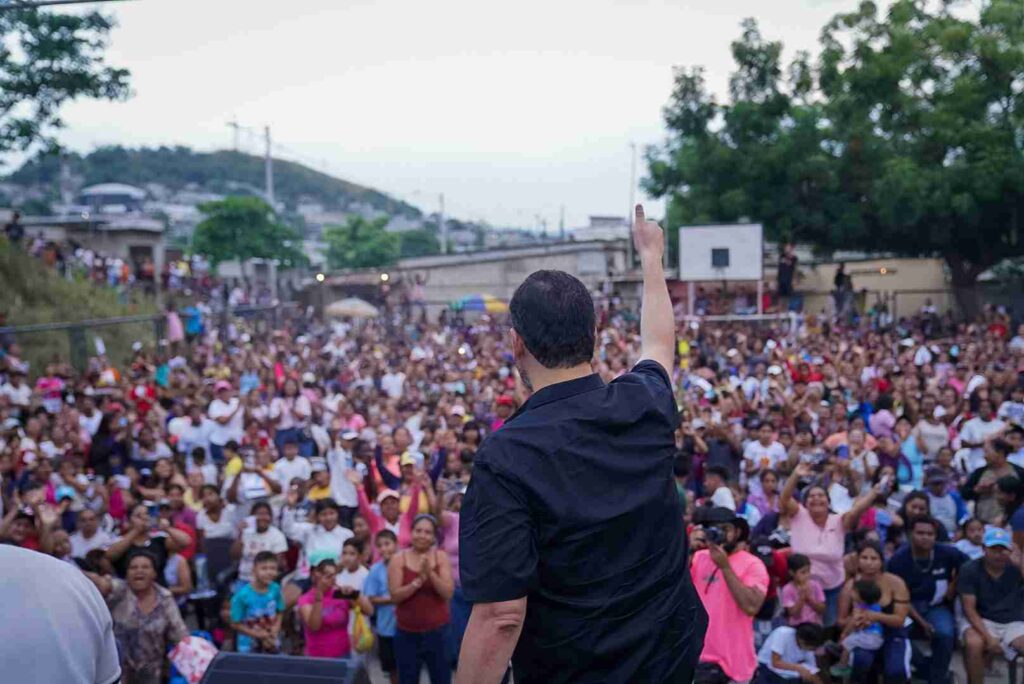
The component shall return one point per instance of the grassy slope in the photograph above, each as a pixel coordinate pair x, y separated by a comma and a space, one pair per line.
32, 293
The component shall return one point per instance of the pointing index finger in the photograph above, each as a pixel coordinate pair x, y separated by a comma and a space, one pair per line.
640, 218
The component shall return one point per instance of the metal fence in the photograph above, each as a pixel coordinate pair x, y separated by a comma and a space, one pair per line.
115, 336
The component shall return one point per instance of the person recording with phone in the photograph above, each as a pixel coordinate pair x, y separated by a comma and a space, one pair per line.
732, 584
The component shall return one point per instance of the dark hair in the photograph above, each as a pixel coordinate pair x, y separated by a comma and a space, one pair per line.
868, 591
797, 561
324, 505
553, 313
211, 488
425, 516
873, 545
720, 471
923, 520
142, 553
916, 494
884, 402
261, 504
353, 543
387, 534
811, 634
175, 485
767, 471
199, 454
324, 563
264, 557
1002, 446
1009, 484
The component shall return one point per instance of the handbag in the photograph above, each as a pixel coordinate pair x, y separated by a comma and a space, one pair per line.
362, 635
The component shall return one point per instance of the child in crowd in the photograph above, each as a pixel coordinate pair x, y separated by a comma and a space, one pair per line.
970, 544
256, 608
788, 654
866, 597
803, 598
376, 589
352, 573
325, 614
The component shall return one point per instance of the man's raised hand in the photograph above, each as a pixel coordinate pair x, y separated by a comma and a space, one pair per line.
648, 237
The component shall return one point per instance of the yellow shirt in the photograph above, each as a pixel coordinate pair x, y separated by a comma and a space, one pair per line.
317, 493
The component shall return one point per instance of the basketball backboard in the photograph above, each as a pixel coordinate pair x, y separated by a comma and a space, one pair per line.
721, 252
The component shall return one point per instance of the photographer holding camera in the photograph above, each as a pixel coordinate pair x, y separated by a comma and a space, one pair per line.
732, 584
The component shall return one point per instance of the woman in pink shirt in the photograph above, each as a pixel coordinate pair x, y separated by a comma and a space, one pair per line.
818, 533
324, 615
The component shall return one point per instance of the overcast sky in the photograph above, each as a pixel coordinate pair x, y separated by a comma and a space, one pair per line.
510, 109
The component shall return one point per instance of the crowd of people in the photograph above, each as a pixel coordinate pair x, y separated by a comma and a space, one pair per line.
853, 489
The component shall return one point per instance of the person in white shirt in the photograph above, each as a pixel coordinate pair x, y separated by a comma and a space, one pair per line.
226, 413
788, 653
193, 430
976, 432
257, 535
89, 535
762, 454
716, 481
217, 519
393, 384
1012, 410
89, 418
17, 390
291, 465
340, 461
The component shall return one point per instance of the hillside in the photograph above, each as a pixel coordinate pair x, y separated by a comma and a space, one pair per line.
219, 172
32, 293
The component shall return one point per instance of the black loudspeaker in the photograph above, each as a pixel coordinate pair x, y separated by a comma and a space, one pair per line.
244, 668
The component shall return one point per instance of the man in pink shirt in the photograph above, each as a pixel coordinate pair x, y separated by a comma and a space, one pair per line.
732, 584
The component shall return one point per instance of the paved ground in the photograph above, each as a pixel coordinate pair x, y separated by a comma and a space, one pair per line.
998, 676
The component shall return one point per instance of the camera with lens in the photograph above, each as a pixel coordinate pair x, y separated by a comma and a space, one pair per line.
714, 535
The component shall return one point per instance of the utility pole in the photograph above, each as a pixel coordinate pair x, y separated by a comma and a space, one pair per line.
561, 224
442, 226
269, 168
632, 205
233, 125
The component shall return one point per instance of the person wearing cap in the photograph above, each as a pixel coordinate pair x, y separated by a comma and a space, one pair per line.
992, 591
930, 572
341, 459
537, 521
732, 584
228, 420
504, 406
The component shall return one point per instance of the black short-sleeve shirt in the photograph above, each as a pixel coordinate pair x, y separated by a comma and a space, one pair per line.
927, 579
573, 504
1000, 599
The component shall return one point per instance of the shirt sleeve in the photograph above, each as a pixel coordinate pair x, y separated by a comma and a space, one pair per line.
755, 576
967, 584
176, 629
788, 596
238, 606
657, 380
497, 546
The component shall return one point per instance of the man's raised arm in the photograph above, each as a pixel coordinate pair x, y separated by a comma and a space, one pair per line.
657, 322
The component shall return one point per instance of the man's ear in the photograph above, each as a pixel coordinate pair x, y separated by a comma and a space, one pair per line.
518, 346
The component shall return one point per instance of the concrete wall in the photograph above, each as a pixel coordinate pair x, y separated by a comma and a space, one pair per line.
907, 283
498, 273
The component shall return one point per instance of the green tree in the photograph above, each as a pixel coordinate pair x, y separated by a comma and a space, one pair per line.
245, 228
46, 59
416, 243
906, 136
361, 243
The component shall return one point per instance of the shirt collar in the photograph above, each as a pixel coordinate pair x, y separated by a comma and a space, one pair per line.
559, 391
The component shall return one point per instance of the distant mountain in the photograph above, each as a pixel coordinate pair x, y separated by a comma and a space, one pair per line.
226, 172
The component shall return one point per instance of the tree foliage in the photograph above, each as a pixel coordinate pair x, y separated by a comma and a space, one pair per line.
906, 135
245, 228
415, 243
361, 243
47, 59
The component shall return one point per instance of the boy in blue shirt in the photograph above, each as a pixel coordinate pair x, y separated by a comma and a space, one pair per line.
866, 597
257, 607
375, 587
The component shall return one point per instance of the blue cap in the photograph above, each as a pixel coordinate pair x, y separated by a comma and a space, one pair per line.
996, 536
